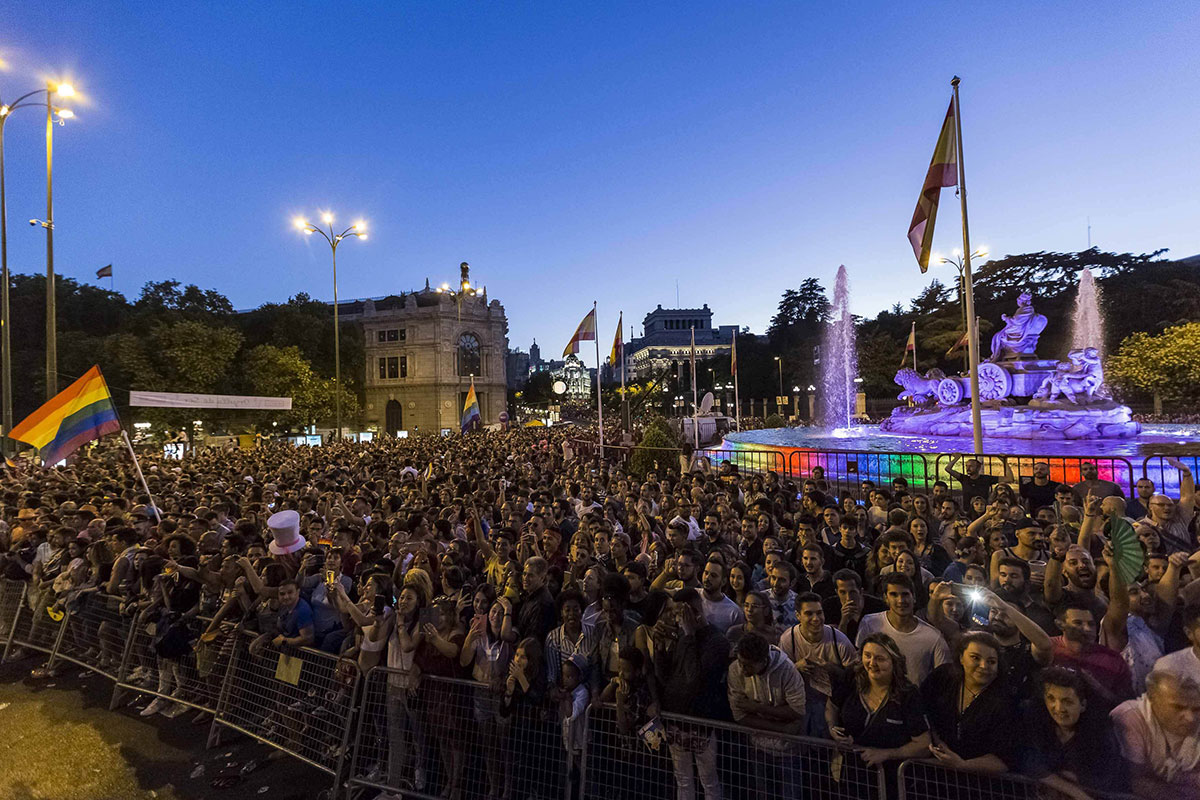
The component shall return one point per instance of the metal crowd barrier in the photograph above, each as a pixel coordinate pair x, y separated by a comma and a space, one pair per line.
845, 470
1166, 477
435, 737
190, 679
746, 460
32, 627
932, 780
12, 594
1063, 469
297, 700
723, 759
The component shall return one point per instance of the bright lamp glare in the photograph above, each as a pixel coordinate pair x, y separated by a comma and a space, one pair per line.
65, 113
327, 217
360, 226
299, 222
65, 90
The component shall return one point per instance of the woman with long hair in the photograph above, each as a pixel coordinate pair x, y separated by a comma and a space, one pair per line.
931, 554
523, 708
445, 701
760, 620
877, 708
739, 582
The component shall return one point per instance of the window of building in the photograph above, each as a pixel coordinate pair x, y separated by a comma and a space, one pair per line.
403, 366
391, 335
469, 355
389, 367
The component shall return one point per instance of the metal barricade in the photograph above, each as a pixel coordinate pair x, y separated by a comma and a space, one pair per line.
188, 674
760, 461
1063, 469
845, 470
12, 593
723, 759
33, 626
448, 737
1166, 477
94, 634
931, 780
297, 700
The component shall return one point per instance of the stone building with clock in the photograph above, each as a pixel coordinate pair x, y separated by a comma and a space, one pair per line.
423, 348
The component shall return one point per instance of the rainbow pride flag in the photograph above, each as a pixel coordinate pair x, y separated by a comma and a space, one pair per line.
470, 408
75, 416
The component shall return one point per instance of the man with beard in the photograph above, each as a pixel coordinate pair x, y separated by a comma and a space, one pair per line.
719, 611
1151, 609
1012, 585
1077, 567
1025, 647
1173, 518
1103, 668
821, 653
1039, 492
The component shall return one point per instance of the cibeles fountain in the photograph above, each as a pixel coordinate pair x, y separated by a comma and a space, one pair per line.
1022, 395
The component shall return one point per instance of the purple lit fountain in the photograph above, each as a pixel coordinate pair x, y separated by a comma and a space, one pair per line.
839, 363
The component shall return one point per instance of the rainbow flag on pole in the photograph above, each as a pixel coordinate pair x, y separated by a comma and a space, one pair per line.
470, 408
75, 416
586, 332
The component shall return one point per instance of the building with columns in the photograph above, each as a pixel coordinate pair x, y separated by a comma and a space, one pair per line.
422, 350
666, 341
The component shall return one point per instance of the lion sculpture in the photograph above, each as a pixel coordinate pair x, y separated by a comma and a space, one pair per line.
917, 388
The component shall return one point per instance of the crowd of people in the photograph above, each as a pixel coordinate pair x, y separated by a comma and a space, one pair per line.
982, 623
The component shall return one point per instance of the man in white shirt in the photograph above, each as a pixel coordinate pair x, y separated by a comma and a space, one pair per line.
1185, 662
923, 647
720, 612
822, 654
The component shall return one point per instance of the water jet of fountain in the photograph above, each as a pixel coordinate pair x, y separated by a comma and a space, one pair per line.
839, 362
1087, 322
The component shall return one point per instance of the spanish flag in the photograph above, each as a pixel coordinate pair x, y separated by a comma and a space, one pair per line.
943, 171
78, 414
470, 409
586, 332
618, 348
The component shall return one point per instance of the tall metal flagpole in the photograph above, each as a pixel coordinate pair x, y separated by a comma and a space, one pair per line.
737, 402
968, 284
914, 341
621, 355
695, 404
599, 403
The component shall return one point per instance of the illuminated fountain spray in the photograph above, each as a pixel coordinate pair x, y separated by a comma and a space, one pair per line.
1087, 323
839, 364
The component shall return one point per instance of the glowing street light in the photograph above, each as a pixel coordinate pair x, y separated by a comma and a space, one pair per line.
334, 240
53, 114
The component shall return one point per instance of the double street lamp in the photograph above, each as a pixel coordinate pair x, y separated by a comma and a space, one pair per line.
53, 114
358, 229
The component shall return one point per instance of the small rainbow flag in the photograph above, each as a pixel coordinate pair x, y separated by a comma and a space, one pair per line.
78, 414
470, 409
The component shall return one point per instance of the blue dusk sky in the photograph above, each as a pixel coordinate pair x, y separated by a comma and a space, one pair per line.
574, 152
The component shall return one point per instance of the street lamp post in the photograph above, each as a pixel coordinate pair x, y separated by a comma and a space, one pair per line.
358, 229
6, 110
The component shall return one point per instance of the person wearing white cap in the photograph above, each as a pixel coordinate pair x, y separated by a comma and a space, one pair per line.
286, 540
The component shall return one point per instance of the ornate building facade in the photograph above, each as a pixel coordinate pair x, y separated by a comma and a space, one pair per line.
422, 350
666, 341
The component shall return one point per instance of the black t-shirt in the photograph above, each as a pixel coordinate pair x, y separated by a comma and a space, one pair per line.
832, 607
1038, 496
894, 724
989, 725
979, 486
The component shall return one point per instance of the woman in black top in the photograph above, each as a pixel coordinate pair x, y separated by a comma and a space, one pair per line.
877, 708
971, 709
1069, 743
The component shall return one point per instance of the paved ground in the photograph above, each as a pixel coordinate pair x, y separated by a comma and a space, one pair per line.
59, 741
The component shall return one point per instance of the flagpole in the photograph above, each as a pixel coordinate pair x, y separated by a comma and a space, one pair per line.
621, 355
599, 403
914, 341
138, 467
737, 403
968, 283
695, 404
